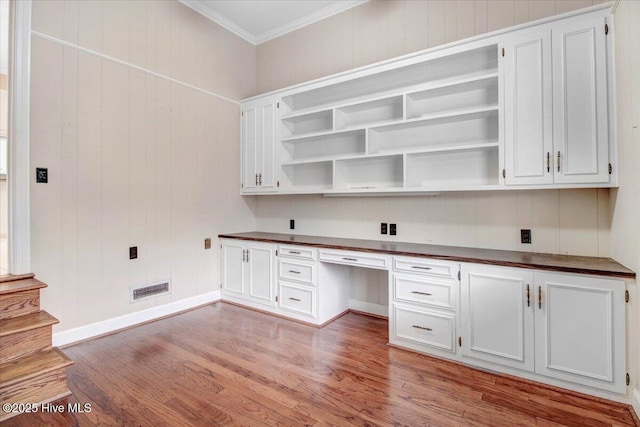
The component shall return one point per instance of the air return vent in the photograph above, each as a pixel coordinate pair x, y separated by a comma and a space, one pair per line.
147, 291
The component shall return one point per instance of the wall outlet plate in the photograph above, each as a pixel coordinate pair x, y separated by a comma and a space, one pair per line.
42, 175
525, 236
133, 252
392, 229
383, 228
207, 243
292, 224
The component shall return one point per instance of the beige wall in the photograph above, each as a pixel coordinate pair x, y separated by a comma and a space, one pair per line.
382, 29
625, 201
562, 222
134, 159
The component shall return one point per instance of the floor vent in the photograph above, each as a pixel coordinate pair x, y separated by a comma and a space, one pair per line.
147, 291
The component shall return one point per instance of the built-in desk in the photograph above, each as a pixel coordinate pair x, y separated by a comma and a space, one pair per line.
557, 319
562, 263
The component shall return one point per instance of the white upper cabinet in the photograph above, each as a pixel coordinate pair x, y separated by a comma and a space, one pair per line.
528, 108
556, 104
580, 120
259, 136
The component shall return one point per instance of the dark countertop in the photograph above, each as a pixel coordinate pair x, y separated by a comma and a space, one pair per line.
565, 263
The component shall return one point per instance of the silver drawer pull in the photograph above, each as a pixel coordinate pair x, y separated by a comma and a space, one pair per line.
294, 299
294, 252
349, 259
294, 272
421, 293
422, 327
417, 267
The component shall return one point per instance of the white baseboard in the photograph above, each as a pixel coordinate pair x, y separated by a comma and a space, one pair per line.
110, 325
369, 307
635, 401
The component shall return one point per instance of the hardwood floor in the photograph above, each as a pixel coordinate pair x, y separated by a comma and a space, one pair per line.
223, 364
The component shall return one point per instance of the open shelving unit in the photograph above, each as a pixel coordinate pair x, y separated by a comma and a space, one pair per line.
427, 125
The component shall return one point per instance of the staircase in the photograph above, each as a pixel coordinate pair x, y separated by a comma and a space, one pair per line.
31, 370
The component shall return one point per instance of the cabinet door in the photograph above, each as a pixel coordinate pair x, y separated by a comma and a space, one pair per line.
250, 149
528, 108
233, 268
580, 330
580, 102
497, 315
261, 274
266, 148
258, 147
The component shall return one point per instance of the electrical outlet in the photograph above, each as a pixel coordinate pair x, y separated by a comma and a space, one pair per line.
392, 229
292, 224
133, 252
383, 228
207, 243
42, 175
525, 236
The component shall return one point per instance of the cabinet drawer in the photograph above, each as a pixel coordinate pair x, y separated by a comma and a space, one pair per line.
297, 271
297, 298
355, 258
297, 252
425, 327
421, 290
426, 266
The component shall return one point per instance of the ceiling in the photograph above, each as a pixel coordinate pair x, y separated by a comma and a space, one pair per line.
260, 20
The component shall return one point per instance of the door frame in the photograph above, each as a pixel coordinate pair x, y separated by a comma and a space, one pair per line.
19, 244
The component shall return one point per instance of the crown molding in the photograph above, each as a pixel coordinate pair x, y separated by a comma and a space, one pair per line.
312, 18
319, 15
220, 20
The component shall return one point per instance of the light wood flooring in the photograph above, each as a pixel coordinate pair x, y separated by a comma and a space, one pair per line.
225, 365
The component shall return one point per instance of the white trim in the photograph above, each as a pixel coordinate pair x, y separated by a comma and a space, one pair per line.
369, 307
281, 30
635, 401
19, 246
220, 20
133, 66
111, 325
316, 16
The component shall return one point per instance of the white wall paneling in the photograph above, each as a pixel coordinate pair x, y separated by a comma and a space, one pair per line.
625, 201
562, 221
134, 111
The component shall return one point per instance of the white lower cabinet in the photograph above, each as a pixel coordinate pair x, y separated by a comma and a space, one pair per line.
423, 305
559, 328
580, 330
285, 280
248, 272
422, 326
297, 298
497, 315
564, 326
